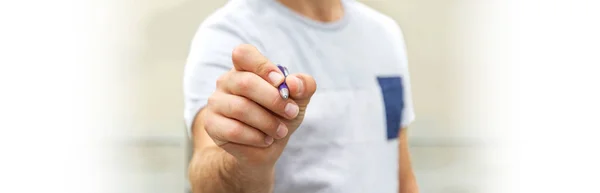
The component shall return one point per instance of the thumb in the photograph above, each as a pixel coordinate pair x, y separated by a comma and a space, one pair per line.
302, 87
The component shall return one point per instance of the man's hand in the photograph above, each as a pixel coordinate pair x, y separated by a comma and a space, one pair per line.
247, 118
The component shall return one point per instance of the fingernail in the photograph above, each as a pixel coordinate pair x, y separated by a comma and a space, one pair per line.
275, 77
291, 110
269, 140
300, 86
282, 131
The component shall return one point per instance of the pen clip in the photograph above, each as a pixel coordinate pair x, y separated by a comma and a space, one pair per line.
283, 70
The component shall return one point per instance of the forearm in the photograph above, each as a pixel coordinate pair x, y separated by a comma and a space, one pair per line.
408, 182
406, 177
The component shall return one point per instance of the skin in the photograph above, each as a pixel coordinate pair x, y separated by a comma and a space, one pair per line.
406, 176
246, 124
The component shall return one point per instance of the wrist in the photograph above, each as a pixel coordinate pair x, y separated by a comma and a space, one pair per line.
256, 181
242, 177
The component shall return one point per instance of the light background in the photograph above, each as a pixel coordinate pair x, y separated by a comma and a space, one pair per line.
90, 94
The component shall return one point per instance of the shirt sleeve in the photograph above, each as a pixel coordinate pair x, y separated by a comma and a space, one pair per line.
209, 58
408, 112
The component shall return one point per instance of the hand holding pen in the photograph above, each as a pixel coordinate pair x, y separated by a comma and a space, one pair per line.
283, 88
256, 104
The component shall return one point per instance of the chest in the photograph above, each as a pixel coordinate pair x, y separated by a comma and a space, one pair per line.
349, 105
338, 61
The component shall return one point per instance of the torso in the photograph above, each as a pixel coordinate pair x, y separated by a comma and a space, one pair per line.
343, 145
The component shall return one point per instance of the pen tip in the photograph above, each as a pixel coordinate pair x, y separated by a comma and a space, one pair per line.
285, 93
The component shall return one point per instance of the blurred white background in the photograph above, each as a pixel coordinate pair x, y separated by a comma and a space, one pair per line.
441, 36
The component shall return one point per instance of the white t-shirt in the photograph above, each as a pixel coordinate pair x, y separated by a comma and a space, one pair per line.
347, 142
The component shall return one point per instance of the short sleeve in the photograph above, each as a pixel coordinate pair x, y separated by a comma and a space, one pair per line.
408, 112
209, 57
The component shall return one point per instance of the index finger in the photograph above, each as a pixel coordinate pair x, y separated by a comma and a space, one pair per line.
247, 58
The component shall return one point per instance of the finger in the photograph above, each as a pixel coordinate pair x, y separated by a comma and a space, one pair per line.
247, 58
224, 130
248, 112
302, 86
254, 88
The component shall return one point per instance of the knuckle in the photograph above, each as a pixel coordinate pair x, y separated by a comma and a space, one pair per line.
212, 99
221, 80
238, 107
256, 139
241, 52
273, 124
243, 49
262, 66
276, 101
209, 124
234, 132
244, 83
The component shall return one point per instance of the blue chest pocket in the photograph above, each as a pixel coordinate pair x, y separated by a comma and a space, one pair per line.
393, 98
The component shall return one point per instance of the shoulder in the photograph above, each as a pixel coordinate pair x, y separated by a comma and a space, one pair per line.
374, 18
227, 18
384, 34
382, 29
233, 24
222, 30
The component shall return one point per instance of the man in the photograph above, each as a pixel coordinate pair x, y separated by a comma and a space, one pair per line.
247, 138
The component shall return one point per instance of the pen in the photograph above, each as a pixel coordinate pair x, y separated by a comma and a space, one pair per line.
283, 88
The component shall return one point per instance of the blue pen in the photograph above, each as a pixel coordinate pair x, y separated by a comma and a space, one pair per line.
284, 91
